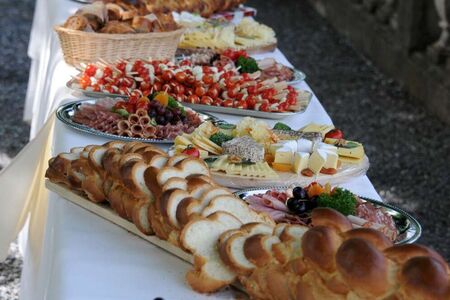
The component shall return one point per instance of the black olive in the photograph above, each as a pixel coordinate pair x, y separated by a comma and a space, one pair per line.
299, 193
297, 206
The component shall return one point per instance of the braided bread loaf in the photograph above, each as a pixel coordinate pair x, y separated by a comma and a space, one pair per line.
176, 199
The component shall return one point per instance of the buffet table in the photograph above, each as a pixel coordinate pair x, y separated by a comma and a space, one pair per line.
75, 254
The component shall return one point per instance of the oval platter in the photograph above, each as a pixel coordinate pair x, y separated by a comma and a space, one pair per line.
408, 228
66, 111
345, 172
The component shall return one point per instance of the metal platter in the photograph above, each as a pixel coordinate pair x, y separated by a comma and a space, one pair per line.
299, 76
306, 99
66, 111
408, 228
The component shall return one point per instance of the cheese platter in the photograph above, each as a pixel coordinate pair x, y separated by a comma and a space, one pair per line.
252, 154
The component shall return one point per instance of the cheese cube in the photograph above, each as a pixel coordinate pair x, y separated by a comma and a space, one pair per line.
300, 161
332, 160
274, 147
317, 161
284, 155
304, 145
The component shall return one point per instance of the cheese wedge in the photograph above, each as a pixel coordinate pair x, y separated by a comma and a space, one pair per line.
318, 128
301, 160
317, 161
284, 155
182, 140
347, 148
304, 145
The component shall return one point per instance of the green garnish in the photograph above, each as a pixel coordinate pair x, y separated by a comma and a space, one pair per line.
341, 200
226, 126
281, 126
219, 138
123, 112
248, 65
210, 160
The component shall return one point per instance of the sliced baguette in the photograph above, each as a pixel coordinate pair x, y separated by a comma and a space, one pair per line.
200, 238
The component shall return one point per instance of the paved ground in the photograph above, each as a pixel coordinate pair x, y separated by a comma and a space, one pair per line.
409, 149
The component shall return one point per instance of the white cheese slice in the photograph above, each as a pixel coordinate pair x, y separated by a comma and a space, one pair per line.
304, 145
332, 160
290, 144
317, 161
300, 161
325, 146
284, 155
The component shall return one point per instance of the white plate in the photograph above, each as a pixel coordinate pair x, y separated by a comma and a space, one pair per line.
345, 172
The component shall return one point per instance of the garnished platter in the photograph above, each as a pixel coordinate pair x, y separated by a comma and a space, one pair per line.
408, 228
305, 100
66, 112
223, 85
253, 154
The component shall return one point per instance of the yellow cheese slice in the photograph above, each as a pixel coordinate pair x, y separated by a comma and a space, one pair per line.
347, 148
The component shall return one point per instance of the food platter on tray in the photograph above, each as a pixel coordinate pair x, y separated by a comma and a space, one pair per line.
344, 173
306, 99
408, 228
66, 112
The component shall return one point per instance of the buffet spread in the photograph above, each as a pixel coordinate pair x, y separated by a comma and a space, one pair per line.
255, 203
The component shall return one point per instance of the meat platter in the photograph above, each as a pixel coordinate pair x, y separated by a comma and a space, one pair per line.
66, 112
408, 228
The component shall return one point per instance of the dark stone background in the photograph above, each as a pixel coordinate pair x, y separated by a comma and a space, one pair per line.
408, 147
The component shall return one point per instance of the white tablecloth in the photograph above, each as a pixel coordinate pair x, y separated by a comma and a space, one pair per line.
82, 256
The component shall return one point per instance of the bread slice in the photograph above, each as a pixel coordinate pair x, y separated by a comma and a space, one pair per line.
115, 144
279, 228
158, 161
129, 145
132, 175
258, 249
175, 183
168, 204
235, 207
140, 217
231, 247
184, 168
176, 159
200, 238
95, 157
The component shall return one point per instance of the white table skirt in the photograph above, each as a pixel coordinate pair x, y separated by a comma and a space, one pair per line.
83, 256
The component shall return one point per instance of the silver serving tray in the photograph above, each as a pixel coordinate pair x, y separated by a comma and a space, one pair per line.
299, 76
252, 113
71, 84
408, 228
66, 111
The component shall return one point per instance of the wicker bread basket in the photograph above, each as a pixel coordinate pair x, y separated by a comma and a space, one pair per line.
83, 47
